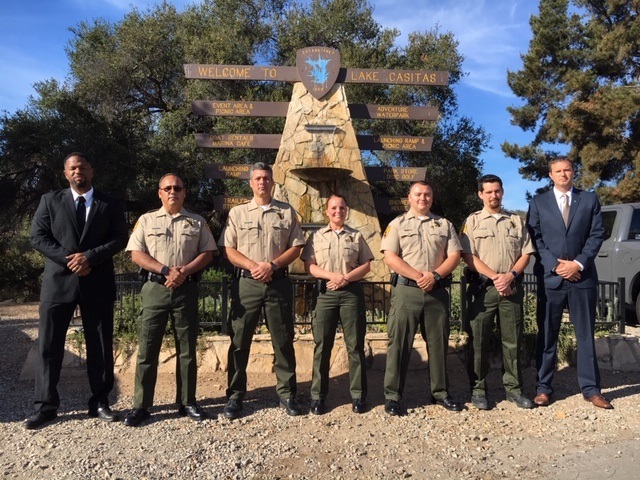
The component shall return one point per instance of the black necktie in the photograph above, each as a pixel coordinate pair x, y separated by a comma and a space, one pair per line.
81, 213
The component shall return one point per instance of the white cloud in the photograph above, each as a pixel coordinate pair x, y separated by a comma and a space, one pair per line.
491, 35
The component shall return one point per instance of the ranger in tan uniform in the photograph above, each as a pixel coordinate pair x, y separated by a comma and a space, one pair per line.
496, 246
261, 239
171, 246
422, 249
338, 256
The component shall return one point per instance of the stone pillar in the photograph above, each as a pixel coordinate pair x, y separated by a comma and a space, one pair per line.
315, 160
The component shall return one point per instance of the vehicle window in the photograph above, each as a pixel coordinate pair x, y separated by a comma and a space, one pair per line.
634, 229
608, 218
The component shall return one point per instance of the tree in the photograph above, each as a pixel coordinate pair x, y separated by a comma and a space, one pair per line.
453, 165
580, 84
127, 103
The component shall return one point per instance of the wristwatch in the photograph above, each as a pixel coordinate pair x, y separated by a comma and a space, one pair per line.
436, 276
515, 275
274, 267
164, 270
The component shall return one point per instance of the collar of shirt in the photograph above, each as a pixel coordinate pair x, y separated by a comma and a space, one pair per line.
486, 213
161, 212
88, 197
271, 205
558, 194
428, 216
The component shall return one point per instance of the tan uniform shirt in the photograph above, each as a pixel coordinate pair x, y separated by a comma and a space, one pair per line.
498, 242
172, 240
262, 235
337, 252
422, 244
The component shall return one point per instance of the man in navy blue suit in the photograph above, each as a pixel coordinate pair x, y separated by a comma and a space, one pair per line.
567, 229
78, 230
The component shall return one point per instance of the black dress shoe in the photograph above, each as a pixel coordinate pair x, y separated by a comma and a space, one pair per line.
104, 413
480, 402
136, 416
232, 409
291, 406
359, 405
317, 407
520, 400
39, 418
193, 411
450, 404
392, 407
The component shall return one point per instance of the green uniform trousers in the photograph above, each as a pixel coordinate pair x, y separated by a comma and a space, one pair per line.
484, 305
412, 307
158, 304
346, 305
248, 298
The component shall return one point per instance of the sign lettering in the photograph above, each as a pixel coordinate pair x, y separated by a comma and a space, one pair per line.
391, 205
290, 74
227, 171
396, 174
223, 203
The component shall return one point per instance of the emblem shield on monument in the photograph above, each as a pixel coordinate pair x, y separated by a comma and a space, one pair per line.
318, 68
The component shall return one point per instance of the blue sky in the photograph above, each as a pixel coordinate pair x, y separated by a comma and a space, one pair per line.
492, 35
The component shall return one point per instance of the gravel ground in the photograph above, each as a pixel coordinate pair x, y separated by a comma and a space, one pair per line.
569, 439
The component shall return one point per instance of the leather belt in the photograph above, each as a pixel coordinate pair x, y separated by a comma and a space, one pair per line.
161, 279
277, 275
407, 281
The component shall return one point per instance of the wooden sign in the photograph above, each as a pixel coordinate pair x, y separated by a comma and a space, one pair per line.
386, 142
290, 74
397, 174
224, 203
391, 205
219, 108
216, 170
272, 141
393, 112
238, 140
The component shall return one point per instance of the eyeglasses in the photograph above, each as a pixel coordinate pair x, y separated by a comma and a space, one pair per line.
175, 188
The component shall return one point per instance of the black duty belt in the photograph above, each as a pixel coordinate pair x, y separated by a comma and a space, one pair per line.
407, 281
442, 283
161, 279
277, 275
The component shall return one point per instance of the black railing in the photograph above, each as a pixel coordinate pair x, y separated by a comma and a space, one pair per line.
214, 302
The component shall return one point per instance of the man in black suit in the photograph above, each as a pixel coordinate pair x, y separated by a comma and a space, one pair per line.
567, 229
78, 230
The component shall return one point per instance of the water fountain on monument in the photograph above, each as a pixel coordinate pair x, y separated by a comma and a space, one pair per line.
319, 173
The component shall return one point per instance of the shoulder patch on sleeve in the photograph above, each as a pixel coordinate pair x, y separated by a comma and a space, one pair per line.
386, 231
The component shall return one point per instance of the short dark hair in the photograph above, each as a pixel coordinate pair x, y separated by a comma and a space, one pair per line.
260, 166
562, 159
169, 175
76, 154
489, 178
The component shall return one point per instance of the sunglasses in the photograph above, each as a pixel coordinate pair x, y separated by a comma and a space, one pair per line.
175, 188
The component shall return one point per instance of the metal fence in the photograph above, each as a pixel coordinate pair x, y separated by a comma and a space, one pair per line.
214, 302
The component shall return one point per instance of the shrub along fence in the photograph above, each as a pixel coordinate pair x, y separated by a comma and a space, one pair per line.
214, 303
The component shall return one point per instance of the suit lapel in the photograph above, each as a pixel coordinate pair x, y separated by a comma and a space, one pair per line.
553, 207
95, 205
575, 204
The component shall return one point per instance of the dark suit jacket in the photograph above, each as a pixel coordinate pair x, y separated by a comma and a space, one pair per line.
580, 240
54, 233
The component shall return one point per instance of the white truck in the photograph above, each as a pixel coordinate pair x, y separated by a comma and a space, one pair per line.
619, 255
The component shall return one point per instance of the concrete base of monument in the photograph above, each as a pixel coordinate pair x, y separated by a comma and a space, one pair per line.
615, 352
